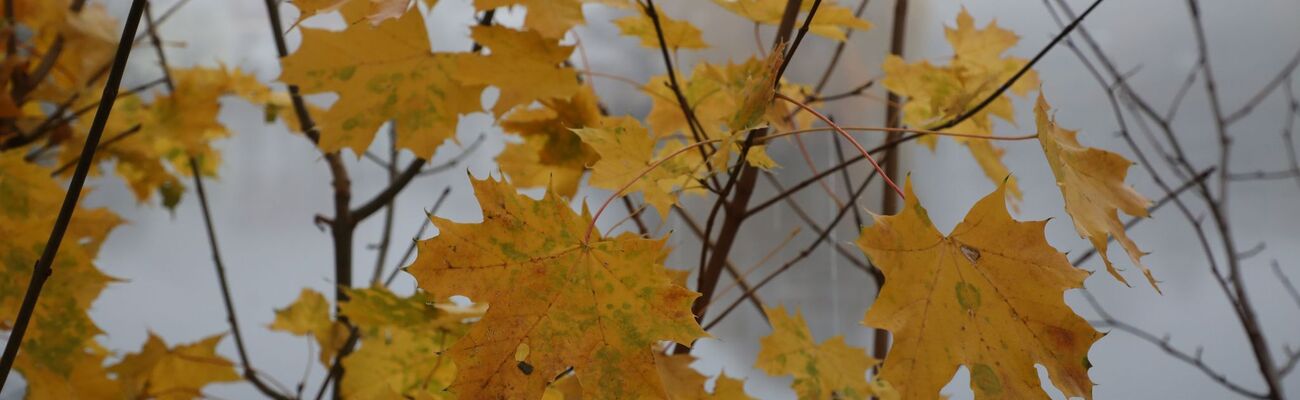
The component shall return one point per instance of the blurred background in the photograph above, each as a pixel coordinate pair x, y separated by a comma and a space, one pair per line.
273, 183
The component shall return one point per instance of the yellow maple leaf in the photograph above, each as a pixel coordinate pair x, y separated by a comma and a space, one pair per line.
59, 353
174, 373
626, 150
550, 18
309, 315
551, 154
680, 380
831, 21
678, 34
84, 378
401, 345
727, 101
937, 94
988, 296
523, 65
382, 73
555, 301
1092, 182
830, 370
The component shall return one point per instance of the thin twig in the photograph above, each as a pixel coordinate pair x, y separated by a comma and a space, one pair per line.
415, 240
250, 373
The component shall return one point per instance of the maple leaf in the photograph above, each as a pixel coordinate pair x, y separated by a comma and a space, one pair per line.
60, 338
678, 34
680, 380
173, 129
937, 94
373, 11
382, 73
523, 65
626, 150
550, 18
402, 340
555, 301
174, 373
830, 370
89, 38
988, 296
727, 101
831, 21
84, 378
309, 314
1092, 182
551, 154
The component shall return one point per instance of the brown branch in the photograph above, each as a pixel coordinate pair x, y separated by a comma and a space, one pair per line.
807, 220
1249, 319
731, 268
1163, 344
250, 373
821, 237
43, 268
415, 240
893, 119
387, 235
813, 179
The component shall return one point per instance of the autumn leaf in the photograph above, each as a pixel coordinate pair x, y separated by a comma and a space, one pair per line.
83, 377
627, 150
309, 315
678, 34
940, 93
831, 21
1092, 182
989, 296
550, 18
682, 382
830, 370
555, 300
382, 73
401, 346
523, 65
727, 101
174, 373
57, 352
173, 128
551, 154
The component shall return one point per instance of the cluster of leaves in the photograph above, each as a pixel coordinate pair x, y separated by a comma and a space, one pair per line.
564, 311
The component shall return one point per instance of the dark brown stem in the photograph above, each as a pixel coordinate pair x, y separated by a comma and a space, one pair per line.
893, 119
42, 270
731, 268
821, 237
249, 372
343, 225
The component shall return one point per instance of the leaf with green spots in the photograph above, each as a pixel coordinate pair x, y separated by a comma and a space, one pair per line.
626, 151
400, 353
989, 296
56, 355
830, 370
601, 308
382, 73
